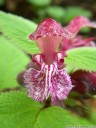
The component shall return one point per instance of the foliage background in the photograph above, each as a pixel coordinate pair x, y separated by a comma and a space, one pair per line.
13, 61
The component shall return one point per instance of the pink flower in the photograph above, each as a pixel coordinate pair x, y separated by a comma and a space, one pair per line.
77, 42
50, 79
74, 26
84, 82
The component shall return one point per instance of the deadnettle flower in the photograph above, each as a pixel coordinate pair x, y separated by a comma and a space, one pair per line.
84, 82
49, 79
77, 41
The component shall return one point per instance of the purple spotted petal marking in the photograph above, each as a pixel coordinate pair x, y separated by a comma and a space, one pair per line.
48, 82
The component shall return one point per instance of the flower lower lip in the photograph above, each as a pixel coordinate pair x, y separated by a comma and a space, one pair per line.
53, 82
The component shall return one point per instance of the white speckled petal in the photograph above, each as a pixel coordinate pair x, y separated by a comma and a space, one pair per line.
61, 85
48, 82
35, 84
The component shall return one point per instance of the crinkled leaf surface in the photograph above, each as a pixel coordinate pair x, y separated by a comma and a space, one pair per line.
18, 29
81, 58
17, 110
12, 61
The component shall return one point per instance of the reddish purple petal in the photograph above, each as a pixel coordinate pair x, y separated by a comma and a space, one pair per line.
79, 22
85, 82
49, 46
59, 59
49, 27
48, 82
48, 36
67, 44
35, 84
77, 42
61, 85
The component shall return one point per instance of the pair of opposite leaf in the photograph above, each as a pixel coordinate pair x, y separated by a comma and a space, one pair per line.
46, 75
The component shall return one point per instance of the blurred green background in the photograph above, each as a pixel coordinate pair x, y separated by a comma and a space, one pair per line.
61, 10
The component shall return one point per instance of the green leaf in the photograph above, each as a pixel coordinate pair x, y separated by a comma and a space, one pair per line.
40, 2
55, 117
12, 61
73, 11
18, 29
17, 110
81, 58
